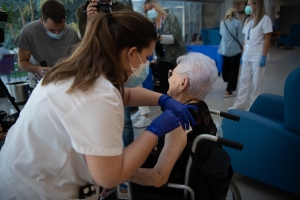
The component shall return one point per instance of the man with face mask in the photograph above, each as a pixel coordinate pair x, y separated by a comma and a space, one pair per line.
43, 42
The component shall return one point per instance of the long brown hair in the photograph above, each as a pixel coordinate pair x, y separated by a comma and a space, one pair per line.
99, 51
260, 12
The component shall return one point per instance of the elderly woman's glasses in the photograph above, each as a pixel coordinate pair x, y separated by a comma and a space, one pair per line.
149, 8
170, 73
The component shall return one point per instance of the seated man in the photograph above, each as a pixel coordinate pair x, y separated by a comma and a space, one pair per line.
190, 82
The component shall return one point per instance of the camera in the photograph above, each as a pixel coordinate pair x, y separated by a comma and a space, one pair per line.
7, 121
103, 6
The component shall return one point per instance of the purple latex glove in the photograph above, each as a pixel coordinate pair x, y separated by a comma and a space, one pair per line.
163, 124
179, 109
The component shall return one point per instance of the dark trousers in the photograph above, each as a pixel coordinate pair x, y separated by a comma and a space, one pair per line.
230, 71
163, 68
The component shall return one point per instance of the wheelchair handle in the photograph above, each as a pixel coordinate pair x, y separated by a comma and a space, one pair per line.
225, 115
230, 143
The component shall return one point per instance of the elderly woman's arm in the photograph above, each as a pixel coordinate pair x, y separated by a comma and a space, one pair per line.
175, 142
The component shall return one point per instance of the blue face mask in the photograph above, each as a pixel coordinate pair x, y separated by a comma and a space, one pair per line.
248, 10
138, 76
152, 14
54, 36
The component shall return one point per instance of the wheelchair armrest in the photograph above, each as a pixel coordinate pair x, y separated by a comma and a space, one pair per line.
269, 106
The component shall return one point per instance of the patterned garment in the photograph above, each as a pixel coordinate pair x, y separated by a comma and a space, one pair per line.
173, 51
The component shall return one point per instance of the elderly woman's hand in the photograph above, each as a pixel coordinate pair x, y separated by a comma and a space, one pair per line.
179, 109
92, 9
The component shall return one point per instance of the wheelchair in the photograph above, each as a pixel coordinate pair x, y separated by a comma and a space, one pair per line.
190, 190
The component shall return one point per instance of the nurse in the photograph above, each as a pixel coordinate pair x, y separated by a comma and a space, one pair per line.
257, 30
69, 134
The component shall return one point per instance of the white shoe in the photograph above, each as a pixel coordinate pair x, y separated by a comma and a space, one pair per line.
136, 115
230, 108
143, 122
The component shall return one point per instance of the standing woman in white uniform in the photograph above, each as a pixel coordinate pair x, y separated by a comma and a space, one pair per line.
69, 134
257, 30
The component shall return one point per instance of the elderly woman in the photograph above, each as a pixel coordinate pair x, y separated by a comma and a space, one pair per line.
190, 82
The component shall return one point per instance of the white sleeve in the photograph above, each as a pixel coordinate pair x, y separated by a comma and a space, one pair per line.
96, 125
267, 25
167, 39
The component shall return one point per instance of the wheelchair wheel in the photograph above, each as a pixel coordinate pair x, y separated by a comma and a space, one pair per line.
233, 192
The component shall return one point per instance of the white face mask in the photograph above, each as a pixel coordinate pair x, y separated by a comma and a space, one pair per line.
139, 74
54, 36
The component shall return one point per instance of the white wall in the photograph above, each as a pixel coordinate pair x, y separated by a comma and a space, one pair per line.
279, 3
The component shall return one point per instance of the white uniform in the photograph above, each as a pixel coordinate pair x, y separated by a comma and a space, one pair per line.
44, 153
253, 50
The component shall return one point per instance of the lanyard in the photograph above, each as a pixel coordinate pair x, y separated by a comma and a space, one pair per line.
160, 30
249, 29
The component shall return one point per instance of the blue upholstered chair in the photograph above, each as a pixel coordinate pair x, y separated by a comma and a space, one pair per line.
270, 132
292, 39
204, 36
211, 36
209, 50
214, 36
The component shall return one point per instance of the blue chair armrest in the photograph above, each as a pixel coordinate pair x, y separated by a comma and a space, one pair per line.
270, 154
270, 106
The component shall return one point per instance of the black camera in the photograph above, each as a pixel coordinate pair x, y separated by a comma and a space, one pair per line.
7, 121
103, 6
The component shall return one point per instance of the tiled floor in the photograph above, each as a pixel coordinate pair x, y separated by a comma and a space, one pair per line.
281, 63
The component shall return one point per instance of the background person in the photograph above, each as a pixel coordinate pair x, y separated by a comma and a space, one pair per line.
85, 12
257, 30
47, 39
89, 9
169, 45
231, 48
69, 134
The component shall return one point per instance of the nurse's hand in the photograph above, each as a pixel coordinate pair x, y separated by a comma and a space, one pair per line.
163, 124
179, 109
263, 61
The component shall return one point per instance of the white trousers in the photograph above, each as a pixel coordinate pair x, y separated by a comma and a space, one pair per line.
251, 71
144, 110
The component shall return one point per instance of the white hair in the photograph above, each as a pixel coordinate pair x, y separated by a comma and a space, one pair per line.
201, 71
